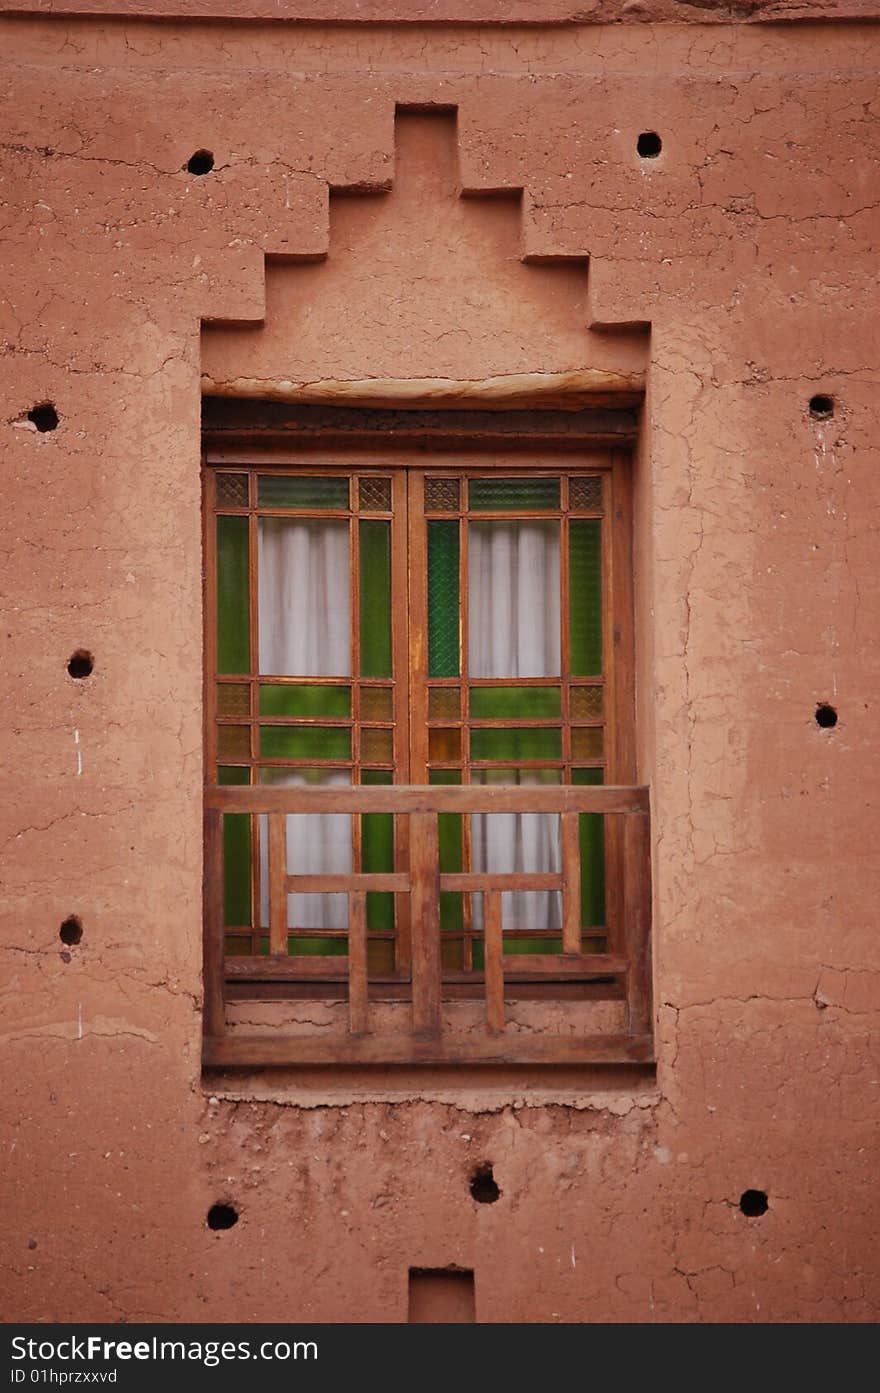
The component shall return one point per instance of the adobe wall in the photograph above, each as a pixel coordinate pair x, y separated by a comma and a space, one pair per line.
749, 247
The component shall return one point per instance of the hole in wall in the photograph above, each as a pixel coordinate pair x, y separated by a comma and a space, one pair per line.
484, 1187
441, 1296
821, 407
826, 716
43, 416
649, 145
200, 162
81, 664
71, 931
753, 1203
222, 1216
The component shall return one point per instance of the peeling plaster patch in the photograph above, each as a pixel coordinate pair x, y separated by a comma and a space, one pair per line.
79, 758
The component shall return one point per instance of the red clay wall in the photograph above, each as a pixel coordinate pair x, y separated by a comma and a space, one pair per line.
749, 245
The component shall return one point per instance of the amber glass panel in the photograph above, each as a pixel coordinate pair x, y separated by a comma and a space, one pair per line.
376, 704
512, 495
232, 490
585, 596
234, 742
585, 493
586, 702
377, 746
233, 699
444, 744
442, 495
516, 743
444, 703
515, 703
586, 742
374, 495
304, 491
305, 742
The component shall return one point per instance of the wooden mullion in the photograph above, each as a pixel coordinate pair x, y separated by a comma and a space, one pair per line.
493, 948
571, 886
277, 883
357, 963
401, 700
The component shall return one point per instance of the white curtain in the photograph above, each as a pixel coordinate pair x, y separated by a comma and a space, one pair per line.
304, 629
514, 631
305, 598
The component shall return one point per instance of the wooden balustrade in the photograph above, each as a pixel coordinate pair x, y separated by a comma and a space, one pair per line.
426, 1042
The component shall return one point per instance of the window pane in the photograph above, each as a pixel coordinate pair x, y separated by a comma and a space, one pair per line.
585, 493
586, 742
514, 604
305, 742
377, 854
377, 746
515, 703
233, 699
232, 490
516, 742
307, 491
374, 495
444, 744
512, 495
519, 842
317, 844
592, 840
442, 495
376, 704
586, 701
375, 598
233, 596
585, 596
236, 858
277, 699
304, 598
234, 742
444, 703
444, 626
450, 853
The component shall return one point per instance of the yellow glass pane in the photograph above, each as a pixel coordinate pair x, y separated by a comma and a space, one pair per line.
444, 703
376, 704
444, 744
586, 742
585, 493
234, 742
586, 702
377, 746
233, 699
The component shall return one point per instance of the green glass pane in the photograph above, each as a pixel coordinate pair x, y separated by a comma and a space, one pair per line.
377, 853
305, 742
514, 703
281, 699
592, 839
450, 853
306, 491
512, 495
236, 856
233, 595
517, 742
444, 626
375, 588
585, 596
316, 946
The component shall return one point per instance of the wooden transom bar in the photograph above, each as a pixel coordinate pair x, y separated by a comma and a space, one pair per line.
422, 979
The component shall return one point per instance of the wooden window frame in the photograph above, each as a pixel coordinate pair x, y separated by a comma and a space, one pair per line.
408, 466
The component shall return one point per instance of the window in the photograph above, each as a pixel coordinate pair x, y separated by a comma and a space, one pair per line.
458, 622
